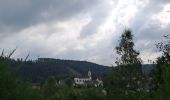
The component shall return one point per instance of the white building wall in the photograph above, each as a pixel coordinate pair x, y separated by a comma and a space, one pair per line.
81, 81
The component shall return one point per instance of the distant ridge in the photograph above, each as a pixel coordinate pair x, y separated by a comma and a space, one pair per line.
43, 67
38, 70
147, 68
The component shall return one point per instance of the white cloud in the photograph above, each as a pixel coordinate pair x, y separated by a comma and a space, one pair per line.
163, 17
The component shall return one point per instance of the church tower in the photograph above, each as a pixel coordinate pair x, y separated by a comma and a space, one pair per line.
89, 74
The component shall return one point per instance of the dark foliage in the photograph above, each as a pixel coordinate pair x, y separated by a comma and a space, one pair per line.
128, 55
39, 70
162, 62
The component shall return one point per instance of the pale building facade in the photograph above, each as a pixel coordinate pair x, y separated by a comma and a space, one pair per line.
82, 81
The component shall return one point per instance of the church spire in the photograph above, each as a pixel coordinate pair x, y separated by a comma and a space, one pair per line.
89, 74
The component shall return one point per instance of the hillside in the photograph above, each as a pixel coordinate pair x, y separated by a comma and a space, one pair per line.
147, 68
41, 68
61, 69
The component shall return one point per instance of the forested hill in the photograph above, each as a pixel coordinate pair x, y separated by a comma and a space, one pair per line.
39, 70
43, 67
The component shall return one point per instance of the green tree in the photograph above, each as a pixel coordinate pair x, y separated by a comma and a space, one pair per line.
163, 61
125, 82
128, 55
69, 81
12, 88
164, 47
162, 92
49, 87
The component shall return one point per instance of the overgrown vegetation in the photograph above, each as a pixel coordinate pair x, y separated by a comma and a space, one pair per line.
126, 81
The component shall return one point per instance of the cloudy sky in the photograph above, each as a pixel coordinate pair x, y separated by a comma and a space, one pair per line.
81, 29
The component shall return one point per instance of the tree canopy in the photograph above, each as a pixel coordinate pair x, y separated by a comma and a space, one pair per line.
128, 55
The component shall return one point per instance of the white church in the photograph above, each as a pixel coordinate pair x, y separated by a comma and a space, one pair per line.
87, 80
81, 81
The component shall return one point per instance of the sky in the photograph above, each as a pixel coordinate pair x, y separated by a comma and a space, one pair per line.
81, 29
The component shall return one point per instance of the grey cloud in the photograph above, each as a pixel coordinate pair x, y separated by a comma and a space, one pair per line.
148, 30
18, 14
98, 17
102, 53
91, 28
143, 24
144, 15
